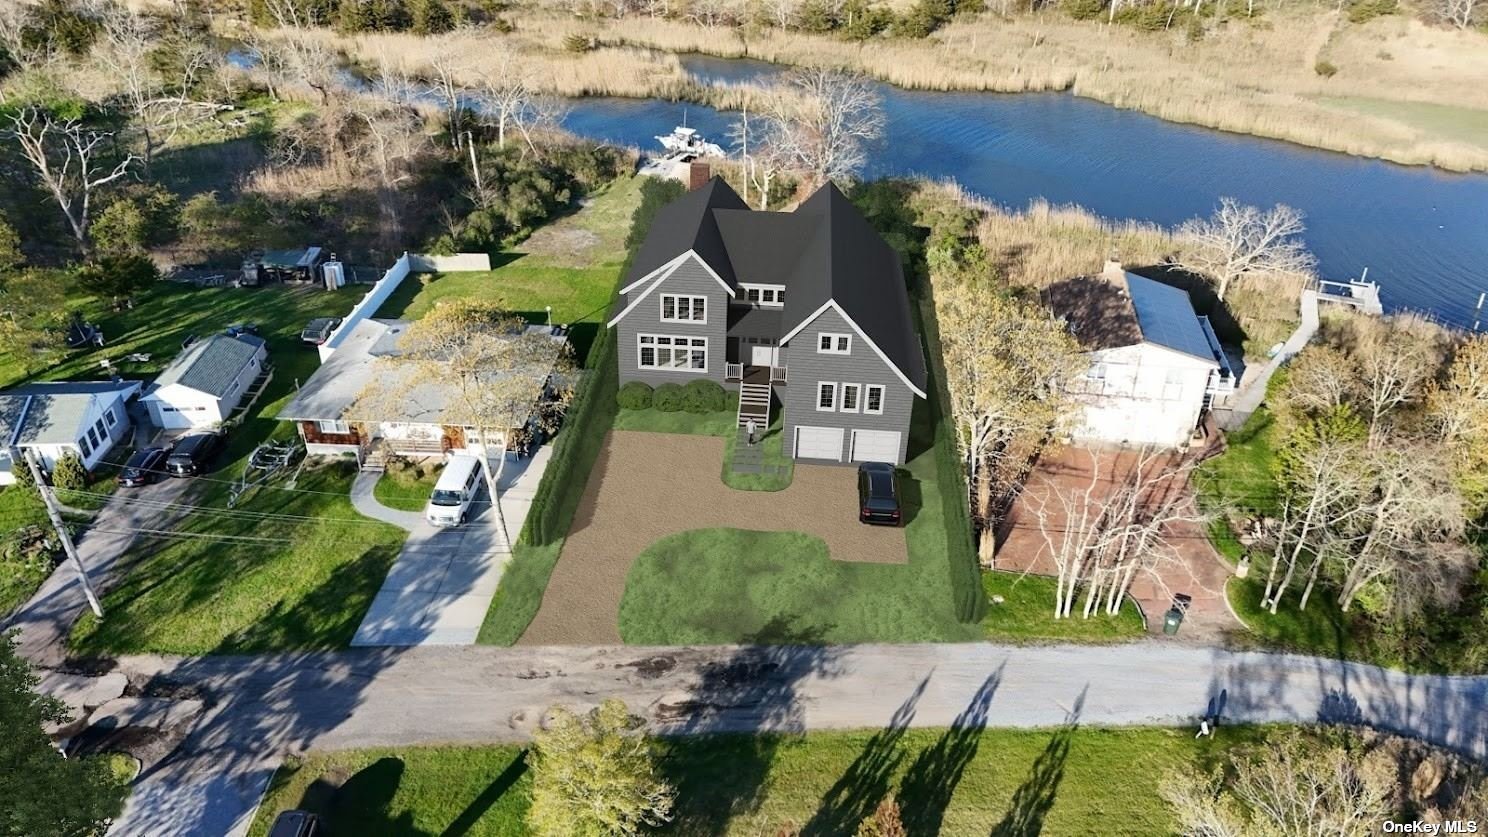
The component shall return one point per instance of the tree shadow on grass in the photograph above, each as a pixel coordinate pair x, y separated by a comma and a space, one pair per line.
866, 781
327, 616
362, 803
493, 792
749, 700
934, 774
1035, 797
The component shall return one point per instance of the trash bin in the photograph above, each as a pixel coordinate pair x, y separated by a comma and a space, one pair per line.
1172, 621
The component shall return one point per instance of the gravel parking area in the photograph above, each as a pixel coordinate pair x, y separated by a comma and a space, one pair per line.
648, 485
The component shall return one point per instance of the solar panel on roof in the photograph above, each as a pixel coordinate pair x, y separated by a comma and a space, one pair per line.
1166, 317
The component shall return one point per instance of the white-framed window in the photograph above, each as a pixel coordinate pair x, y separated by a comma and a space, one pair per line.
662, 351
1095, 378
111, 417
765, 296
826, 396
1173, 385
873, 400
86, 448
334, 426
93, 436
102, 431
851, 398
833, 344
676, 308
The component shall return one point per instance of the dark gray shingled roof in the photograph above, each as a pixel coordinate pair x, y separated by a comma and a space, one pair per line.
824, 250
209, 365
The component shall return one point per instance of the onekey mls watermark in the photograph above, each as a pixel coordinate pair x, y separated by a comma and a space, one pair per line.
1448, 827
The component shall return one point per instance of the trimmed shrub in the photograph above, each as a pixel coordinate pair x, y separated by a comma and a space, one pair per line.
24, 481
634, 396
668, 398
1326, 69
702, 397
69, 474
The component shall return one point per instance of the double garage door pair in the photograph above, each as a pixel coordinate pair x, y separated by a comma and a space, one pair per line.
866, 445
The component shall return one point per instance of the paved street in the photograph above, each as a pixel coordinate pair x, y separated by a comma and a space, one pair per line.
47, 619
265, 706
439, 589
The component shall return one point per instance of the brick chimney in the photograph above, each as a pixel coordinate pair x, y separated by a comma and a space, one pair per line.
698, 174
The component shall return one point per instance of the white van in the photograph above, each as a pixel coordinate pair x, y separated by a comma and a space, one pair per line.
449, 505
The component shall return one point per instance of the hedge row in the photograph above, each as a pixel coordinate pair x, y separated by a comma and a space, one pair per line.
695, 397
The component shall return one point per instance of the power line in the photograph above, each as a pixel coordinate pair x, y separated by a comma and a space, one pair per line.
171, 533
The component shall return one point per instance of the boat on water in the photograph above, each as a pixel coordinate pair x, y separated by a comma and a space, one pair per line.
685, 141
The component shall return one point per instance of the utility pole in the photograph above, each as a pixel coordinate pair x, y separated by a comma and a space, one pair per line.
62, 533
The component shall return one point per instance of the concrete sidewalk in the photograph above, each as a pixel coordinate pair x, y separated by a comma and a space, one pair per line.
439, 589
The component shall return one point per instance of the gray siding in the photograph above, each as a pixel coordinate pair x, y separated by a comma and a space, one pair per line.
806, 368
692, 278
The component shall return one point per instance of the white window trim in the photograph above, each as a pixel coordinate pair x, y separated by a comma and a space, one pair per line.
690, 349
694, 302
777, 290
857, 399
835, 399
110, 417
335, 426
835, 337
883, 393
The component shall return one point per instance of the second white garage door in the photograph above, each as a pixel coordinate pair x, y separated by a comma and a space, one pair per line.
819, 443
875, 446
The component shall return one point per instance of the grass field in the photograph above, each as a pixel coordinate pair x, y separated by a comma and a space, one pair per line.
407, 486
1063, 781
1321, 629
19, 577
772, 449
1462, 124
1025, 614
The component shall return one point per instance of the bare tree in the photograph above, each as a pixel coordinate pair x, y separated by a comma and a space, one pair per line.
160, 105
824, 120
390, 137
1239, 240
70, 160
763, 153
1395, 362
1462, 14
293, 54
1320, 379
1322, 488
506, 93
1006, 367
446, 86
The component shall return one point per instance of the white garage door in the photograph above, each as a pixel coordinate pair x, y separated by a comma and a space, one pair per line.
875, 446
819, 443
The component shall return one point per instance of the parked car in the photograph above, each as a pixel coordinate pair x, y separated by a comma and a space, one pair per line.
878, 494
143, 467
241, 328
449, 505
295, 824
319, 330
191, 454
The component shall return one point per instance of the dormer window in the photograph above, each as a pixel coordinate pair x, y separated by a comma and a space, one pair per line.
763, 296
834, 344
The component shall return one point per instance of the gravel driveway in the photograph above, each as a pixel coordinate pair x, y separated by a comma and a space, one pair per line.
646, 486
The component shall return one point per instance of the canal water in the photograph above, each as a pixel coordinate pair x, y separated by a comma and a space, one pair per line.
1422, 233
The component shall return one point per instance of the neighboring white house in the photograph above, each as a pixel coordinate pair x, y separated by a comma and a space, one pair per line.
52, 419
205, 382
415, 420
1154, 362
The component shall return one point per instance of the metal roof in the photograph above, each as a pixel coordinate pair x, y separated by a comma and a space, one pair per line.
1166, 316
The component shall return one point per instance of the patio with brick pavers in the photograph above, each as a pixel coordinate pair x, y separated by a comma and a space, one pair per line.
646, 486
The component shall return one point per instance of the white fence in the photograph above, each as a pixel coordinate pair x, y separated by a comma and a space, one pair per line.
424, 263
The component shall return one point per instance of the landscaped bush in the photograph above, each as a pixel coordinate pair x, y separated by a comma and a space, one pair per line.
634, 396
69, 474
668, 398
702, 397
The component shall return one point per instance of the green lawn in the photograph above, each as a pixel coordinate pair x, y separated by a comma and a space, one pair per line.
20, 575
1462, 124
1321, 629
1068, 780
407, 486
1025, 614
286, 583
772, 445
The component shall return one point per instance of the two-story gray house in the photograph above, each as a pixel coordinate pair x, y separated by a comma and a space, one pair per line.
808, 308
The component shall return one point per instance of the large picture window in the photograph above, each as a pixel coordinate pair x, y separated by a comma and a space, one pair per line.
657, 351
684, 309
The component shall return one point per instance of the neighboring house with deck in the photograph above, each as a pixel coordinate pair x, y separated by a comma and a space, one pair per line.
204, 384
87, 418
807, 307
1155, 364
361, 401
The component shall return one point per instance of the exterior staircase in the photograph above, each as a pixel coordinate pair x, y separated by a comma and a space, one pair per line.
754, 403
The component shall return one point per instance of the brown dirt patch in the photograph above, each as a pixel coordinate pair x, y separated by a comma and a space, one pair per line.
1200, 572
646, 486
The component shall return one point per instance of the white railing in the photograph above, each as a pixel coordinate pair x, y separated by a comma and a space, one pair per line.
777, 374
733, 371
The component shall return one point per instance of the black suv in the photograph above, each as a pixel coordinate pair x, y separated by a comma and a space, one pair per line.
143, 467
878, 494
191, 453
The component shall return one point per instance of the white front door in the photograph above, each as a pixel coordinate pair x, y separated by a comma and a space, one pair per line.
819, 443
875, 446
761, 355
